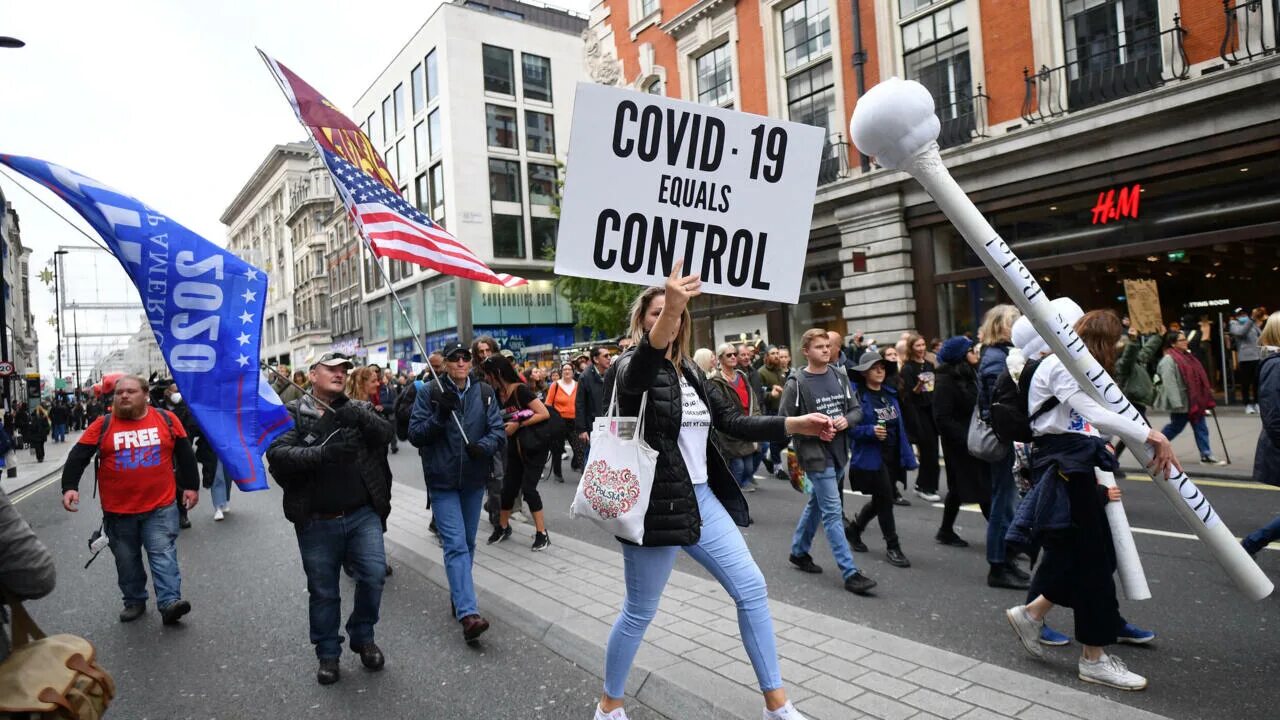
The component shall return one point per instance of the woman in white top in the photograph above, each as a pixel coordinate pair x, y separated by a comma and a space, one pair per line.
695, 502
1065, 509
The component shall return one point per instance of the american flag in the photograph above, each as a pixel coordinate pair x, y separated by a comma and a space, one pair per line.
393, 227
398, 230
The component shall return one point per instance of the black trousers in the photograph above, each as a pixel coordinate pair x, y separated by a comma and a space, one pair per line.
927, 442
567, 435
1077, 564
39, 447
1247, 379
880, 483
522, 476
964, 470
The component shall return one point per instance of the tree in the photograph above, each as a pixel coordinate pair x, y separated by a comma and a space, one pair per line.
597, 304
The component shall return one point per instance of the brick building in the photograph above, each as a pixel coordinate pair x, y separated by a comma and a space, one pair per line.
1104, 139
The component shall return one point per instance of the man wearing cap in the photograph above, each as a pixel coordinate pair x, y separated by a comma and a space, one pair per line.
456, 467
338, 500
591, 401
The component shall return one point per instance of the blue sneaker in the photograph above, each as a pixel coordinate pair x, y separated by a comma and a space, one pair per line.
1049, 636
1134, 635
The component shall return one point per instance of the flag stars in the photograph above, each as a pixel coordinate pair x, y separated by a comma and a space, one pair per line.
251, 273
244, 339
243, 360
249, 296
246, 318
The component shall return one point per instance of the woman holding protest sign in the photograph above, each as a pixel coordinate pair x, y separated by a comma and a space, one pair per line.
695, 502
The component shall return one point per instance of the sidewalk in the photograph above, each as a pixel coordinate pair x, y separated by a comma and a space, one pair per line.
692, 664
31, 472
1240, 432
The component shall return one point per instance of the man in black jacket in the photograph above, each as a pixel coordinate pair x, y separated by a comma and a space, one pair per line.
591, 402
338, 501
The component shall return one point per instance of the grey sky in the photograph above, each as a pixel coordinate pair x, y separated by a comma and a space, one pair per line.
168, 101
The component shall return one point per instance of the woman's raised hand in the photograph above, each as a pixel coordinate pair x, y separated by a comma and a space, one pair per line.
681, 289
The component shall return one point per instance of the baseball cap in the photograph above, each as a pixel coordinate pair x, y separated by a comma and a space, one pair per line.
333, 359
507, 354
454, 349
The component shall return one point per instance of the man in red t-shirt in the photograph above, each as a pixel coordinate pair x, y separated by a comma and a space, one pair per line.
136, 481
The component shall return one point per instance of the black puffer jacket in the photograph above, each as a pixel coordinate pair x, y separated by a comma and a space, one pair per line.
295, 457
673, 517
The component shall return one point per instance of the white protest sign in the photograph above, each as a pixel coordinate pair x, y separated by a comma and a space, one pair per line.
651, 180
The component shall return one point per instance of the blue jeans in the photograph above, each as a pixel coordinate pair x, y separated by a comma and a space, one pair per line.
742, 469
1259, 538
1178, 421
824, 507
354, 539
157, 531
457, 516
59, 432
723, 552
1004, 500
221, 489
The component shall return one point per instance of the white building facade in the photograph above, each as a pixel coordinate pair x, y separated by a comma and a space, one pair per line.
472, 117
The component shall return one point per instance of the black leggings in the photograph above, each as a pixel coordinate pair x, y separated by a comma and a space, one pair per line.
1077, 563
927, 441
567, 434
881, 485
522, 475
1247, 378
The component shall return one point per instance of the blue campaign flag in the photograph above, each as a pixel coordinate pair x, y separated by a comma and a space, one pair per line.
204, 305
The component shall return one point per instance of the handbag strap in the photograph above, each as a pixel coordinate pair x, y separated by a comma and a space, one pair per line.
613, 408
24, 628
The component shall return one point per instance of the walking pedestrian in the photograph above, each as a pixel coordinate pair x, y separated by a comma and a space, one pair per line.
456, 468
38, 431
705, 359
526, 449
59, 416
824, 387
385, 403
954, 398
1245, 330
1132, 375
733, 386
366, 385
336, 496
1183, 391
918, 381
562, 395
482, 348
996, 335
772, 378
881, 456
144, 451
591, 400
1064, 512
1266, 463
206, 459
695, 501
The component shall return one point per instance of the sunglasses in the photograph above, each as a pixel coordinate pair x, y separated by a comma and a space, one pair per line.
459, 357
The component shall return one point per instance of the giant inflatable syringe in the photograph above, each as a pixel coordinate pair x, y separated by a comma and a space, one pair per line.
895, 123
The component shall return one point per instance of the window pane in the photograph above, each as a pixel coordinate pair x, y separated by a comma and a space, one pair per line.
806, 32
437, 193
501, 123
389, 158
544, 237
508, 236
715, 76
421, 150
433, 85
415, 84
397, 96
499, 70
371, 128
421, 194
811, 97
433, 132
537, 77
504, 180
402, 157
388, 120
542, 184
647, 7
540, 131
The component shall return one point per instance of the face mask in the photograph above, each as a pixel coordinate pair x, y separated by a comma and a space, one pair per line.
175, 398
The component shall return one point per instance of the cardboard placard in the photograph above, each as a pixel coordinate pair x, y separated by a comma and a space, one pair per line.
1143, 297
651, 180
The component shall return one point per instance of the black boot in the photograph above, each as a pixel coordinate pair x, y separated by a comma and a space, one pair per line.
328, 673
1002, 576
854, 536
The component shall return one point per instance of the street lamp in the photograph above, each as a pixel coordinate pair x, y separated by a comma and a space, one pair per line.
57, 306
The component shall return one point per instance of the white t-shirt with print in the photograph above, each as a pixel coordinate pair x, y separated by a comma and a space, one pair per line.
695, 429
1053, 380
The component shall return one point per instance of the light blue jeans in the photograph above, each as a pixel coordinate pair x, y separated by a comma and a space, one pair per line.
221, 489
457, 516
1004, 501
824, 507
743, 469
1200, 428
723, 552
156, 532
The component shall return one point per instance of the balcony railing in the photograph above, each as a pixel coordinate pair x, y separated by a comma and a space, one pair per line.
1108, 74
1246, 35
963, 120
835, 160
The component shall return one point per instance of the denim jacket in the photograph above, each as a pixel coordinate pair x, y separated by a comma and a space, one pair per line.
1053, 457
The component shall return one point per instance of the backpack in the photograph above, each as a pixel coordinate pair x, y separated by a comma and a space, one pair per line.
102, 434
52, 676
1009, 401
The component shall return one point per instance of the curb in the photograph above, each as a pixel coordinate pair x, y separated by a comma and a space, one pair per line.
24, 483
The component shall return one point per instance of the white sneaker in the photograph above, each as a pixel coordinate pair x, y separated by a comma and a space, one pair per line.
1109, 670
618, 714
1028, 630
217, 514
928, 496
226, 509
786, 712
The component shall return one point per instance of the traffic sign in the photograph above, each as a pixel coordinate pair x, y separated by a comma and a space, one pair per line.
6, 368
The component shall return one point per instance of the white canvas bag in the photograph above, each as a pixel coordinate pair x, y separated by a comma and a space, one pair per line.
617, 477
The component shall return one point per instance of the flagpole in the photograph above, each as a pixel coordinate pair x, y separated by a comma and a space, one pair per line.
289, 380
369, 245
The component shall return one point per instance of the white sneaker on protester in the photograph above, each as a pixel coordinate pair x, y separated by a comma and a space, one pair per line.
927, 496
1028, 630
786, 712
1109, 670
217, 514
618, 714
